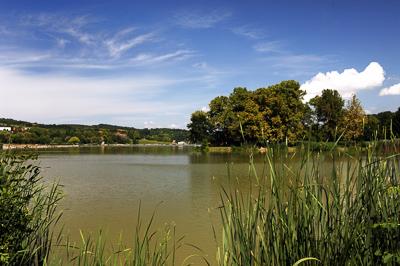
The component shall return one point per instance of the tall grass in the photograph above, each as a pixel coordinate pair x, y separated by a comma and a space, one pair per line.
297, 215
28, 212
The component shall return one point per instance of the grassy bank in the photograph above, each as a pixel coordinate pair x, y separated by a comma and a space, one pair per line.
297, 214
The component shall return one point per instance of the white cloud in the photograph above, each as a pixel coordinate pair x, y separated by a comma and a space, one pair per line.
198, 20
347, 82
118, 45
146, 58
392, 90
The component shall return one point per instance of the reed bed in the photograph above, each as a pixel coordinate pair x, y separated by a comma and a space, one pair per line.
300, 216
28, 212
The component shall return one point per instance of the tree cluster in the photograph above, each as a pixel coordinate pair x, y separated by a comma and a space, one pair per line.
30, 133
278, 113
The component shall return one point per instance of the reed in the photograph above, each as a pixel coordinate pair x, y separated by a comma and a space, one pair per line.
297, 215
28, 212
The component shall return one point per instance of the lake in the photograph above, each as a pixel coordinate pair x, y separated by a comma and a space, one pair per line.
104, 186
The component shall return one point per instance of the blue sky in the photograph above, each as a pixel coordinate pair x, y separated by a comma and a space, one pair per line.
152, 63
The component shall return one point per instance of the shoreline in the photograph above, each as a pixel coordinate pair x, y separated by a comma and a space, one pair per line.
61, 146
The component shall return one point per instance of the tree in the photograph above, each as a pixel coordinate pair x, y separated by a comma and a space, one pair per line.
328, 110
283, 111
385, 122
199, 127
247, 122
396, 123
74, 140
221, 117
354, 119
371, 127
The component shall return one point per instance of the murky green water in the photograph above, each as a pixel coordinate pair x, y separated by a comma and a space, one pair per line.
103, 188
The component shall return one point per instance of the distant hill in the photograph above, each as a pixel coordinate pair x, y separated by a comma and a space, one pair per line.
28, 132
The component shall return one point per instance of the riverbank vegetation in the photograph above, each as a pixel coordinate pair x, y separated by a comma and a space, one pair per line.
28, 212
278, 114
33, 133
347, 217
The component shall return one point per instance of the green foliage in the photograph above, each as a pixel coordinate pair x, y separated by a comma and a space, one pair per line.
353, 121
74, 140
27, 212
329, 112
199, 127
274, 114
350, 217
28, 133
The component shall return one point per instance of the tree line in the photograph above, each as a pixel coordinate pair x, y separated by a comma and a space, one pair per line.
278, 113
32, 133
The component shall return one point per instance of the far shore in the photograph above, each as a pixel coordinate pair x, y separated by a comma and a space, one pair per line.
58, 146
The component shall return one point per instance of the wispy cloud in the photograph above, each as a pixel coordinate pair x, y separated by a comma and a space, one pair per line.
80, 42
119, 44
271, 46
15, 57
146, 58
200, 20
392, 90
249, 32
74, 27
293, 60
291, 65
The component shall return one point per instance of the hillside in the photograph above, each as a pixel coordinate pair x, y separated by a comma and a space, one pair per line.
28, 132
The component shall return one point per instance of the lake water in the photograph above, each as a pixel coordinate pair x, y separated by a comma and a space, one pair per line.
104, 186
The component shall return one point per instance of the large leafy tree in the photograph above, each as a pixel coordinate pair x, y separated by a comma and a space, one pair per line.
248, 123
354, 119
199, 127
221, 119
328, 110
274, 113
283, 110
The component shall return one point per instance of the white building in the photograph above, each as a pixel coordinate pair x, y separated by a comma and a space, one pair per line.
5, 128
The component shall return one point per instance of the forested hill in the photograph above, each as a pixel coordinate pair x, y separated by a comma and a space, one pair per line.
28, 132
